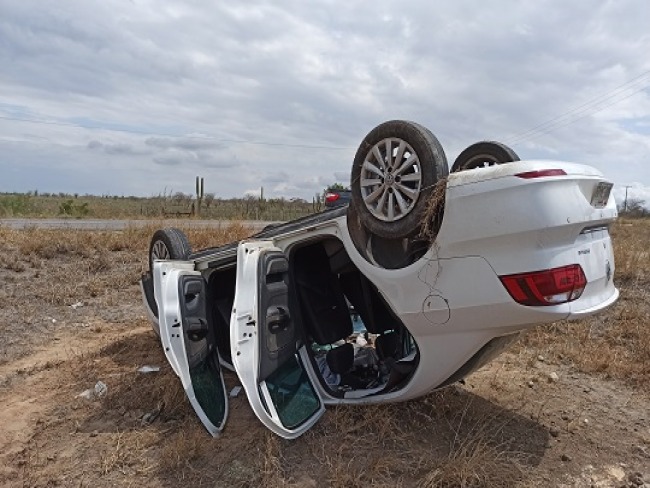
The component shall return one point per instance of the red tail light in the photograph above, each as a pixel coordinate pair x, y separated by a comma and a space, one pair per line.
541, 173
549, 287
331, 197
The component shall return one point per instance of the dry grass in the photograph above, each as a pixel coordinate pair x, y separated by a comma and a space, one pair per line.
433, 215
90, 263
478, 456
48, 243
448, 439
128, 454
44, 272
632, 251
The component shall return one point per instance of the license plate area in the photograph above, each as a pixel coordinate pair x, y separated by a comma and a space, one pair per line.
600, 196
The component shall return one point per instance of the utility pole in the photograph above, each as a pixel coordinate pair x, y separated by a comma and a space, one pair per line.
625, 204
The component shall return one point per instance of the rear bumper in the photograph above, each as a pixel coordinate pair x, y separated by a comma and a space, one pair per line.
585, 312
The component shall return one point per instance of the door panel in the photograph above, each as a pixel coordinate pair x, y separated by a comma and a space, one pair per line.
265, 343
278, 336
188, 341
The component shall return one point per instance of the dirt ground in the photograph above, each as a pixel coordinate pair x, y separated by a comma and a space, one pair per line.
567, 406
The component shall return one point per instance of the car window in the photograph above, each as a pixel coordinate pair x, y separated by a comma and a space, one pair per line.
209, 393
357, 324
292, 394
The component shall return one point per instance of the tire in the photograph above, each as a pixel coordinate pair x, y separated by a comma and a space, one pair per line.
484, 153
391, 197
168, 244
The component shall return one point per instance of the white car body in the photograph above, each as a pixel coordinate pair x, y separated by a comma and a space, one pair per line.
500, 221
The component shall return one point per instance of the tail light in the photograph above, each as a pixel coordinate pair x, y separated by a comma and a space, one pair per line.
331, 197
528, 175
548, 287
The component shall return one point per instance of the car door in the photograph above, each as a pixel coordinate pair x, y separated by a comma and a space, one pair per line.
188, 342
266, 346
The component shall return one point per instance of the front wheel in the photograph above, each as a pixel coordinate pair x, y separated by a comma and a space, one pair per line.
168, 244
393, 175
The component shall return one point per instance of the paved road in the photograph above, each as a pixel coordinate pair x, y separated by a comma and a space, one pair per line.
98, 224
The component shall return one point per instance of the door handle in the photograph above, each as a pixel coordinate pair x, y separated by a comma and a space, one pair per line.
193, 287
277, 320
197, 329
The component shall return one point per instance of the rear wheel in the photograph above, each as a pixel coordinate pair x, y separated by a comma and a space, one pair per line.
168, 244
393, 175
484, 153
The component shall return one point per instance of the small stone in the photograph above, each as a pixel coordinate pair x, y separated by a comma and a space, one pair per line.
94, 433
566, 458
617, 473
554, 431
540, 358
636, 479
565, 416
553, 377
585, 421
530, 384
149, 417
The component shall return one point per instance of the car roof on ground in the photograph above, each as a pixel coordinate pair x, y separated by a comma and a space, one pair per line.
276, 230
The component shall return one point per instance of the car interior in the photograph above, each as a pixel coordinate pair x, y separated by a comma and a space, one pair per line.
355, 342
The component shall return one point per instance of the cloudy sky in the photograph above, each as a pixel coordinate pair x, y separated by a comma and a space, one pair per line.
137, 97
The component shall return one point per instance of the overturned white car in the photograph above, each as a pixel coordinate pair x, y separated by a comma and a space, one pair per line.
423, 278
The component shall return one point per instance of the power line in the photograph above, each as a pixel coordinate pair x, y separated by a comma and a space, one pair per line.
176, 136
589, 104
569, 117
575, 119
587, 108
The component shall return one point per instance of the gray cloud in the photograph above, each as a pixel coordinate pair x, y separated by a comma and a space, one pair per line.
168, 160
316, 75
185, 143
279, 177
174, 157
119, 149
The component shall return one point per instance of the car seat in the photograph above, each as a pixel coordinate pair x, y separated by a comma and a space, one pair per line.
325, 312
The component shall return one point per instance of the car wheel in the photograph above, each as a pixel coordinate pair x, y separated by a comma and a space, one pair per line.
393, 175
168, 244
484, 153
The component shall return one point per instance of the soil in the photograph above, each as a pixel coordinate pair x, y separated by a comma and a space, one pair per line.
68, 321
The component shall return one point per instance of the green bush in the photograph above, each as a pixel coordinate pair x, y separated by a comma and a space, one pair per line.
15, 205
73, 210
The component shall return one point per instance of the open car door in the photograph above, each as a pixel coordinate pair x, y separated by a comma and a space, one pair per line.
265, 343
188, 342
